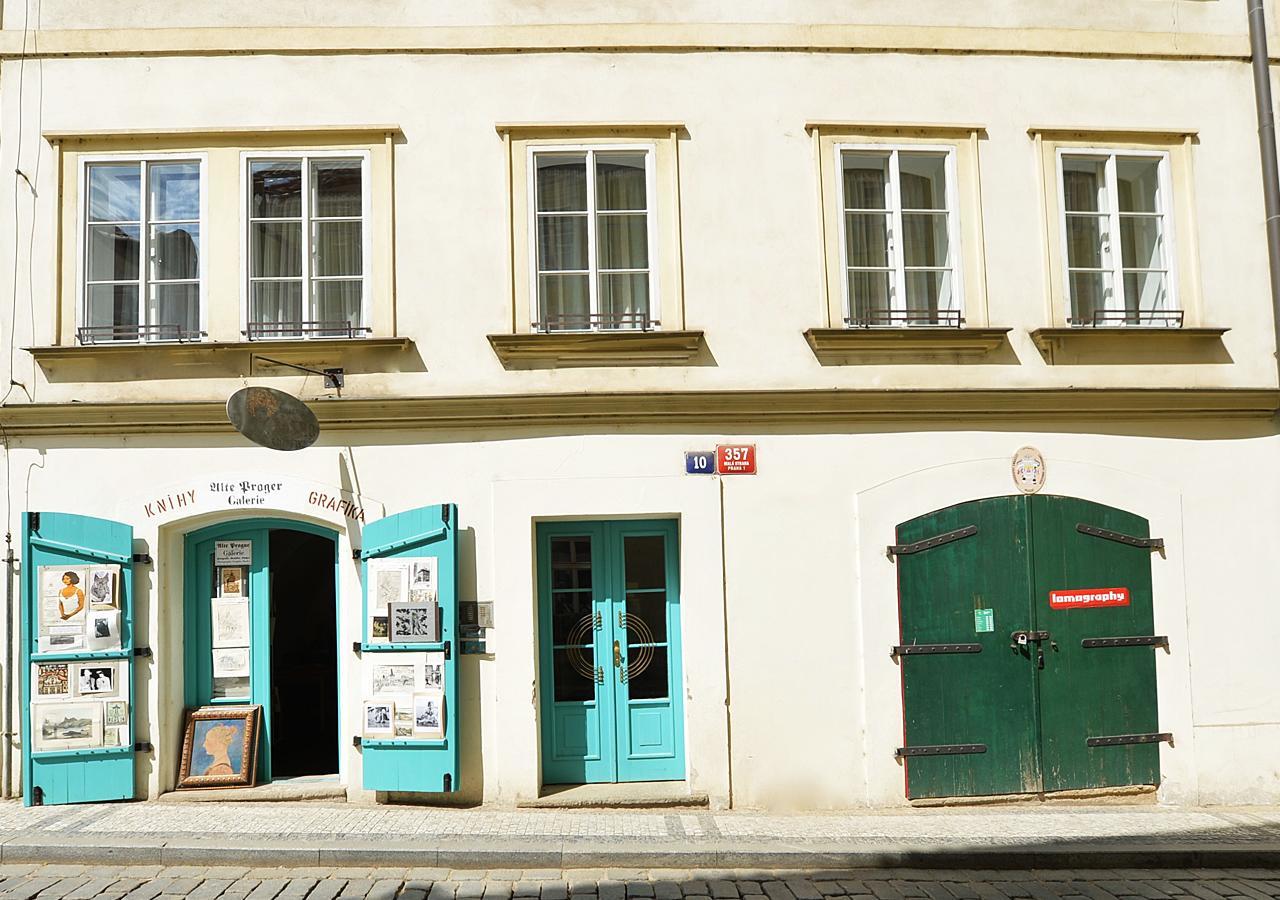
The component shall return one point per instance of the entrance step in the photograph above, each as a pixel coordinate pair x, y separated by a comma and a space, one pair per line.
632, 795
1130, 795
291, 791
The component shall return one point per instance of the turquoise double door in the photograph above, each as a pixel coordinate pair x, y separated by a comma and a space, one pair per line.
610, 682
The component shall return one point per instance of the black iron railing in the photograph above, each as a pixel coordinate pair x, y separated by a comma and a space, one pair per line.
113, 334
638, 321
1110, 318
878, 317
338, 328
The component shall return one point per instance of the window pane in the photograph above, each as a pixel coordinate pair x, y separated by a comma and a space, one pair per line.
337, 248
175, 192
645, 561
650, 682
573, 683
114, 192
564, 300
174, 304
868, 295
562, 243
1138, 184
336, 186
923, 180
1085, 235
1084, 183
1090, 293
115, 305
928, 292
275, 249
175, 252
620, 181
924, 239
277, 189
561, 183
623, 242
338, 301
114, 251
865, 180
647, 619
1146, 291
866, 237
571, 618
1140, 243
276, 301
624, 300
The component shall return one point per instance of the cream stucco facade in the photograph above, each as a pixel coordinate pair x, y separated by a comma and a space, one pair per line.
788, 603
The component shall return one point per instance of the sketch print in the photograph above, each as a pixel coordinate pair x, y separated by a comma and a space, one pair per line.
117, 713
67, 726
434, 671
428, 715
379, 718
411, 623
392, 679
97, 679
390, 584
52, 680
404, 722
231, 662
231, 579
230, 623
102, 593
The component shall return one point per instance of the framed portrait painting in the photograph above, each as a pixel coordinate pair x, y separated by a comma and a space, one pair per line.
220, 747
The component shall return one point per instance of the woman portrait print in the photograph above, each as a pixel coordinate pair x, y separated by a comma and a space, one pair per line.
218, 741
70, 591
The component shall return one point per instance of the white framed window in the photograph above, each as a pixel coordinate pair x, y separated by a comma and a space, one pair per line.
1117, 237
306, 252
899, 235
141, 271
593, 238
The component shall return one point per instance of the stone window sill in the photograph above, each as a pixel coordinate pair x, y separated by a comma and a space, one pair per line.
598, 348
1135, 345
832, 344
196, 350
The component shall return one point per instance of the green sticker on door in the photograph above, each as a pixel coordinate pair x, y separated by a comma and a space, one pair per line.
984, 620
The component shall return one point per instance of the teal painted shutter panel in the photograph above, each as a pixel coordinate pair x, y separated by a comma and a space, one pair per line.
968, 698
413, 764
92, 774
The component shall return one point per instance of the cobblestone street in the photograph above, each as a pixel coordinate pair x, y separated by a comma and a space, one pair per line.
63, 882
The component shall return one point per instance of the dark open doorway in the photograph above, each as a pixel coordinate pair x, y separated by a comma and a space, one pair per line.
304, 659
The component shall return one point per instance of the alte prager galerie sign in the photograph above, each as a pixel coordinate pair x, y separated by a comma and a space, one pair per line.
280, 493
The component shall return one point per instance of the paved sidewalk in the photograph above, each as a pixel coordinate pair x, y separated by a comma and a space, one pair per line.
307, 834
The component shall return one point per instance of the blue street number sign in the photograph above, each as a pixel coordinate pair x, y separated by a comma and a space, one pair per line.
700, 462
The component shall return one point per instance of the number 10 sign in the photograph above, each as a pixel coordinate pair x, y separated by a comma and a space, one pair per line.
726, 459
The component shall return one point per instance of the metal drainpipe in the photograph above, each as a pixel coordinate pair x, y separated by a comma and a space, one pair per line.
1267, 144
7, 762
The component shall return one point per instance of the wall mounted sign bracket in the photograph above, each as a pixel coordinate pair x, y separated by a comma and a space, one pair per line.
333, 378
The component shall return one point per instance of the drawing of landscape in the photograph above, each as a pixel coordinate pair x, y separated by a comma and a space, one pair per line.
66, 728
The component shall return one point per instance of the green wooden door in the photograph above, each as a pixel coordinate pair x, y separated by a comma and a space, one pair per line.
984, 698
609, 638
1017, 716
77, 721
1102, 589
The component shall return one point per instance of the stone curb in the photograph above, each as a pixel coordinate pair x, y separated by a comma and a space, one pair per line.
576, 856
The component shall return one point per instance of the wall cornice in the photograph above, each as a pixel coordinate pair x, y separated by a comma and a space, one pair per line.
622, 37
691, 409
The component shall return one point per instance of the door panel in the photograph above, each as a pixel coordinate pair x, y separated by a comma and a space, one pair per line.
1095, 692
968, 698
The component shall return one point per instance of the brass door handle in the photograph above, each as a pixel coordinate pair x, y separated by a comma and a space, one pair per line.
617, 655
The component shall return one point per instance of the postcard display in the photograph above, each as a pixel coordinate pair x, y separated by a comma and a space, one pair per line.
408, 718
77, 641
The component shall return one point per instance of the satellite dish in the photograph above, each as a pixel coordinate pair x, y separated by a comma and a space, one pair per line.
273, 418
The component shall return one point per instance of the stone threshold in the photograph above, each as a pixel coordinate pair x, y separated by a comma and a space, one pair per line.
632, 795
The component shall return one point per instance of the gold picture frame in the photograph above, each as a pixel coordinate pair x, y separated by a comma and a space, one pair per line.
220, 747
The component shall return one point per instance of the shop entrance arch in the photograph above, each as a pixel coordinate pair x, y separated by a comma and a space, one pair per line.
1026, 650
261, 627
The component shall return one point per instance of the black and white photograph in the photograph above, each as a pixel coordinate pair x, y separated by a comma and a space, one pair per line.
414, 624
433, 672
104, 629
66, 726
393, 679
102, 587
424, 574
98, 679
428, 714
379, 718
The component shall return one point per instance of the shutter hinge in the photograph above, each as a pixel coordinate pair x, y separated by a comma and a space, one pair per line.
357, 648
1123, 739
355, 741
448, 782
444, 515
1145, 640
355, 553
448, 652
142, 651
928, 649
34, 520
142, 559
939, 750
143, 747
929, 543
1128, 539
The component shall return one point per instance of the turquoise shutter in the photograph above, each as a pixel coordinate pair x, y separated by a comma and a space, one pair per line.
96, 773
416, 764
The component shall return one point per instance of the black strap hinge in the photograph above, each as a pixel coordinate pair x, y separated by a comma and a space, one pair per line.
34, 520
143, 651
444, 515
1118, 740
1144, 640
142, 559
939, 750
929, 543
143, 747
930, 649
1127, 539
355, 553
355, 741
